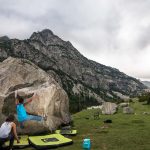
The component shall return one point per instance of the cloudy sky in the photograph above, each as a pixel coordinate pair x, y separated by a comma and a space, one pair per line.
112, 32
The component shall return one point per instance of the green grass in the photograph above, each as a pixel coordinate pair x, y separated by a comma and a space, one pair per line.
127, 132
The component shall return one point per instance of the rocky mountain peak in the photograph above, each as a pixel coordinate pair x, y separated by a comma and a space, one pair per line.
46, 37
4, 38
46, 33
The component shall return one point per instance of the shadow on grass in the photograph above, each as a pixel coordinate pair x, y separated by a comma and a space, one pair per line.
138, 121
102, 132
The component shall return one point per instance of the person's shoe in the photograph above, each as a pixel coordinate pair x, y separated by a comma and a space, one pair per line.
22, 126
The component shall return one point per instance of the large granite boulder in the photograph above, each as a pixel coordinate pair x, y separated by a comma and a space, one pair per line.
123, 105
27, 78
109, 108
128, 110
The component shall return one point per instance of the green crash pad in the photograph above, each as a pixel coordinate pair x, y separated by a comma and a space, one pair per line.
66, 132
49, 141
23, 142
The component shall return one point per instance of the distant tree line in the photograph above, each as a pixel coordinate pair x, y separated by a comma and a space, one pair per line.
145, 97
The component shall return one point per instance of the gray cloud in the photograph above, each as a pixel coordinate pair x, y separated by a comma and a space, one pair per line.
115, 33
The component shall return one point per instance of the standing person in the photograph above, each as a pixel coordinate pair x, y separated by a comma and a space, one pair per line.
22, 113
8, 132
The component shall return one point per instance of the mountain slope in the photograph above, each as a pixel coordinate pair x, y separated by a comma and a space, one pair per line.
86, 82
147, 83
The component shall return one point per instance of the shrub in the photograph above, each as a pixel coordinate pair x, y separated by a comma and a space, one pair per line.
145, 97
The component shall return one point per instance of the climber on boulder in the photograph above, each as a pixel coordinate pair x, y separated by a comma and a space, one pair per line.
22, 114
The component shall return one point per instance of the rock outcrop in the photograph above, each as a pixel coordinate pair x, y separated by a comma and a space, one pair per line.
128, 110
25, 77
85, 81
109, 108
123, 105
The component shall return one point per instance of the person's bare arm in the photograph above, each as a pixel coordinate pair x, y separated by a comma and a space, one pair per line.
15, 132
27, 110
30, 99
16, 100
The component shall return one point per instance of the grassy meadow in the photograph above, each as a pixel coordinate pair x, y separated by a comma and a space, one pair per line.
126, 132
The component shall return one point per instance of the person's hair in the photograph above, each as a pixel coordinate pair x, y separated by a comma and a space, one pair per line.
20, 99
10, 118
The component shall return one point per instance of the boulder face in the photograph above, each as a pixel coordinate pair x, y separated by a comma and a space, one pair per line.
86, 82
109, 108
128, 110
123, 105
25, 77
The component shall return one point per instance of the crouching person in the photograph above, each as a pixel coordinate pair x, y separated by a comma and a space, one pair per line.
8, 132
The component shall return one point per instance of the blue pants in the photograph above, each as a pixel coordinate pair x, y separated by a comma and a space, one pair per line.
31, 117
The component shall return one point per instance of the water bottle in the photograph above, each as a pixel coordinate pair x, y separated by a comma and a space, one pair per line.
86, 144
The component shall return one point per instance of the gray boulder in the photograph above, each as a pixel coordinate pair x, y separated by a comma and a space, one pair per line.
123, 105
128, 110
27, 78
109, 108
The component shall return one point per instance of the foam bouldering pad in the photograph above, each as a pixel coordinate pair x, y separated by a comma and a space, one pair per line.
49, 141
23, 142
66, 132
